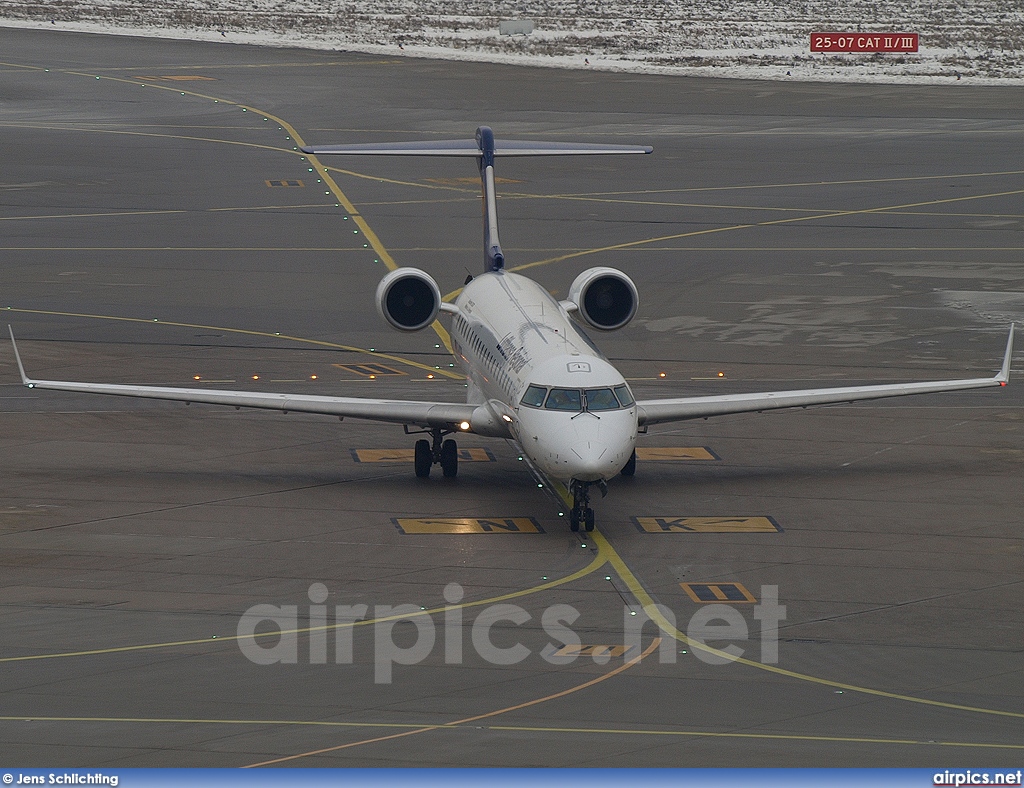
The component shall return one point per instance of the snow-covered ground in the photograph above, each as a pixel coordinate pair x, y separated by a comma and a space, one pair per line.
973, 41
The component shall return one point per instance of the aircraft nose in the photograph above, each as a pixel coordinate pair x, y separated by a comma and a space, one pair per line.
591, 461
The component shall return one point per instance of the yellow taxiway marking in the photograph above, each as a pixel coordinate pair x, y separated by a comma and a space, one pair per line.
286, 184
605, 552
768, 736
292, 136
651, 609
180, 78
706, 525
467, 525
583, 650
523, 728
667, 453
474, 454
750, 225
369, 370
287, 337
553, 696
718, 592
597, 562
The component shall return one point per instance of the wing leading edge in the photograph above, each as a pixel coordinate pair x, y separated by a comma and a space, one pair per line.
658, 411
444, 415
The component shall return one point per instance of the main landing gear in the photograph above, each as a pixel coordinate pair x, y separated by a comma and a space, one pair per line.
442, 452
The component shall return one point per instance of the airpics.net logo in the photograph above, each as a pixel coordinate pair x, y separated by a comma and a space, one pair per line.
270, 634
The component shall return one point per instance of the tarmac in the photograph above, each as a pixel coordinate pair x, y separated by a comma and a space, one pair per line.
161, 227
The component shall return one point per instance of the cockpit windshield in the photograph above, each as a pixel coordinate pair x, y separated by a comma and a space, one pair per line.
564, 399
534, 396
601, 399
576, 400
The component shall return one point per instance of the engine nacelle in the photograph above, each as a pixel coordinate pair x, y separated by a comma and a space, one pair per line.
605, 298
408, 298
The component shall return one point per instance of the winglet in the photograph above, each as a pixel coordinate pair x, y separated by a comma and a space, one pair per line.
21, 368
1004, 374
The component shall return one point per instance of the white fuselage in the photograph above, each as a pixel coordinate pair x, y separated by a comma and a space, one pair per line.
514, 339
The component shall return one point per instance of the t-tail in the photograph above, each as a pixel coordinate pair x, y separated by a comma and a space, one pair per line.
486, 149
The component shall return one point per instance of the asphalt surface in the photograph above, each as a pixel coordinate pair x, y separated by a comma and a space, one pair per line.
785, 235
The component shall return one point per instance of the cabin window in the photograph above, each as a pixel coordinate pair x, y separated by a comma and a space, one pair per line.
564, 399
625, 398
534, 396
601, 399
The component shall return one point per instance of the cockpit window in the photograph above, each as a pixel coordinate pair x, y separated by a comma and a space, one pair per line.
564, 399
622, 392
601, 399
534, 396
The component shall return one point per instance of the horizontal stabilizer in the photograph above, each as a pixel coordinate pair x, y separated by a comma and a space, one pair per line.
472, 148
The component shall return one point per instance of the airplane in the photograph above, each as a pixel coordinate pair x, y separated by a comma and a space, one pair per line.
534, 375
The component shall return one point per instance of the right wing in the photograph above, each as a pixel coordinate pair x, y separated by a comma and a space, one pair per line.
442, 415
658, 411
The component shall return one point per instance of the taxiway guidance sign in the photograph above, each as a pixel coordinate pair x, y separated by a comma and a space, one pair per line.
864, 42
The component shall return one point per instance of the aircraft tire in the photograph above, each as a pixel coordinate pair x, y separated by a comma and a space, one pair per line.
422, 459
450, 459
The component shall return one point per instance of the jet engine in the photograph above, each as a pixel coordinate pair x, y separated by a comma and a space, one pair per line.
604, 297
408, 298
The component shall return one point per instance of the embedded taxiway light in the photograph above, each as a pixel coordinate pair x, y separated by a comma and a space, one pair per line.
195, 377
255, 377
373, 377
312, 377
430, 377
662, 375
721, 374
464, 425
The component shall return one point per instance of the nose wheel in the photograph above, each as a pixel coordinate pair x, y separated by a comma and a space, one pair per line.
581, 514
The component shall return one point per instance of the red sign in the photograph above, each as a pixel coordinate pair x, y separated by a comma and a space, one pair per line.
864, 42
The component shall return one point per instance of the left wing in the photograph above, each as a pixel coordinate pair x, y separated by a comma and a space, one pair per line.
443, 415
658, 411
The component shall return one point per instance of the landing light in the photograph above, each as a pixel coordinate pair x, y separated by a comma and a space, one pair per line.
464, 425
506, 417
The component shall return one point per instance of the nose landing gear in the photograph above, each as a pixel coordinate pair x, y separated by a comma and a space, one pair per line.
581, 513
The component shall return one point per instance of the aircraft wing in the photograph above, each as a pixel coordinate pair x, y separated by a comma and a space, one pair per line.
445, 415
658, 411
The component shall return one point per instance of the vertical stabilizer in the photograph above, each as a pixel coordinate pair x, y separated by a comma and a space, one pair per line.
485, 149
494, 260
